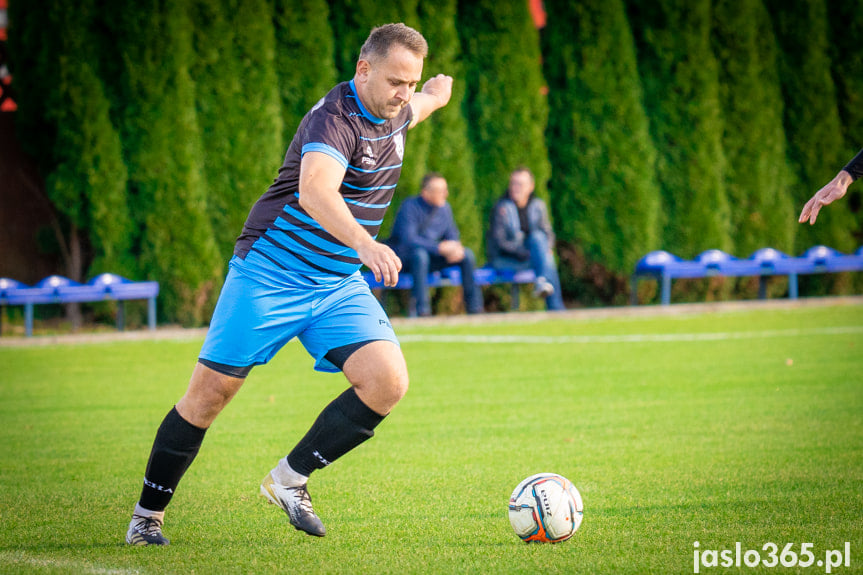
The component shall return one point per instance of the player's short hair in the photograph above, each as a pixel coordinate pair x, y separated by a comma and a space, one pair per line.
382, 38
428, 178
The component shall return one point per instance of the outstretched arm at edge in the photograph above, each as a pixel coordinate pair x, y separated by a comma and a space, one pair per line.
834, 190
435, 94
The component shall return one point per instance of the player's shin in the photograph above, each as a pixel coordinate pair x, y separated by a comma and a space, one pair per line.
175, 447
343, 425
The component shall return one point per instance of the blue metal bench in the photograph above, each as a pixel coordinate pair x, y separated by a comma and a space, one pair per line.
59, 289
664, 267
451, 276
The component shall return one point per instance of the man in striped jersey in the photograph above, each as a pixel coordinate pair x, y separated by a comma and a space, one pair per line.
295, 273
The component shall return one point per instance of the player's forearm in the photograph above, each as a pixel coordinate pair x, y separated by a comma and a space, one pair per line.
424, 105
435, 94
320, 179
328, 208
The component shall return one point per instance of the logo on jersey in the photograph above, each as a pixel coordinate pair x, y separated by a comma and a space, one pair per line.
400, 145
369, 157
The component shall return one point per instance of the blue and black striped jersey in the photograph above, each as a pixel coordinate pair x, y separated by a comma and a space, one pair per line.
371, 150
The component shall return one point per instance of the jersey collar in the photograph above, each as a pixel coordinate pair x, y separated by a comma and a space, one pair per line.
366, 114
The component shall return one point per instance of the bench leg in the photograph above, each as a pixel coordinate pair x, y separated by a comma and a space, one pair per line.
666, 289
151, 313
762, 287
792, 286
121, 315
515, 291
28, 319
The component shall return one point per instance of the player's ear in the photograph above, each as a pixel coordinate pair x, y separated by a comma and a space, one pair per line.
363, 69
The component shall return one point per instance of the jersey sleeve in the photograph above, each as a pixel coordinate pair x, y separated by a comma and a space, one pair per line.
855, 166
331, 134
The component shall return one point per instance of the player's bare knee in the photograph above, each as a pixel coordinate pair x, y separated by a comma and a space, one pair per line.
383, 390
207, 395
397, 386
394, 379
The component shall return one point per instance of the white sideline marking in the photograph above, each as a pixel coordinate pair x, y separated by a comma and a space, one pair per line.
632, 338
73, 565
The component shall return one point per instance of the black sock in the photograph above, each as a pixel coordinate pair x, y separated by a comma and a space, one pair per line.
175, 447
342, 425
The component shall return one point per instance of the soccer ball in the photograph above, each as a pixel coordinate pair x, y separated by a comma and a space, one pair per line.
545, 507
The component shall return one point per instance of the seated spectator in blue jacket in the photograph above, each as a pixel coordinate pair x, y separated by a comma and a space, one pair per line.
520, 237
426, 238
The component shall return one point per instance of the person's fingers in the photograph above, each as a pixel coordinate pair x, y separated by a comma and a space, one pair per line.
810, 210
392, 275
813, 211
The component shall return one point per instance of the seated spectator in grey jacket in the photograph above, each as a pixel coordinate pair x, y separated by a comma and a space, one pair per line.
520, 237
426, 239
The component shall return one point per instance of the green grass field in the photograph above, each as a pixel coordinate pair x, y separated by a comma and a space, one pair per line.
730, 426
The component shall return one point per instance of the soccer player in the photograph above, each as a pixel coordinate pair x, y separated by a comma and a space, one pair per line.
834, 189
295, 273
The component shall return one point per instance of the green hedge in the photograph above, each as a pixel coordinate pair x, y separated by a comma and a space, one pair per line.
239, 109
846, 57
305, 59
681, 84
815, 145
758, 178
163, 150
506, 107
604, 190
682, 125
69, 131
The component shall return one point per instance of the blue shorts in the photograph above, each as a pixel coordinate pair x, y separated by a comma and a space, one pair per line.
259, 311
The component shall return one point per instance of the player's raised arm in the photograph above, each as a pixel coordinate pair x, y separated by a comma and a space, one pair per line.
834, 190
320, 178
435, 94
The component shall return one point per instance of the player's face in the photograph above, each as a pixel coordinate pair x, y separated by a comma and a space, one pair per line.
436, 192
520, 187
385, 87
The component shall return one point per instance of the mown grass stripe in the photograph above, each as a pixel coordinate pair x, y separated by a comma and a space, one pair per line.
630, 338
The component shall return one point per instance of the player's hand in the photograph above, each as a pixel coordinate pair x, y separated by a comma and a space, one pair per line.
826, 195
382, 261
440, 87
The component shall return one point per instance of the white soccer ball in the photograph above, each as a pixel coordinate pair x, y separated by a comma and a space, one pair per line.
545, 507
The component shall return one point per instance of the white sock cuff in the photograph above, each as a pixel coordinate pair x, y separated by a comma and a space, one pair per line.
284, 474
160, 515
